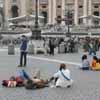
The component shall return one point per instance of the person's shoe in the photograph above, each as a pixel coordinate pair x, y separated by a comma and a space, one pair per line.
52, 86
19, 66
24, 65
68, 86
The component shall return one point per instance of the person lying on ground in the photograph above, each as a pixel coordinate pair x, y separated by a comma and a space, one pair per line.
24, 80
62, 78
16, 81
36, 83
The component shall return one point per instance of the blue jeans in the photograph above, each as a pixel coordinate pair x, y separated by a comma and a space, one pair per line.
92, 51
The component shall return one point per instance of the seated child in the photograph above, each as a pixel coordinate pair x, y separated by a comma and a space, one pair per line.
93, 63
97, 65
85, 63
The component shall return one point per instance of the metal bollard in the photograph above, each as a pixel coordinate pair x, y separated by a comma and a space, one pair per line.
11, 49
30, 48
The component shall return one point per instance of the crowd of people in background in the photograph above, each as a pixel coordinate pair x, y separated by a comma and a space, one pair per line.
64, 46
72, 45
91, 45
69, 45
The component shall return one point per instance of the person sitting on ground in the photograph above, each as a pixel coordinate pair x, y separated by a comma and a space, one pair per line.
85, 63
93, 63
97, 65
62, 78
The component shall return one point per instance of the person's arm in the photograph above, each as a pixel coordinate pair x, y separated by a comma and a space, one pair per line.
51, 79
55, 77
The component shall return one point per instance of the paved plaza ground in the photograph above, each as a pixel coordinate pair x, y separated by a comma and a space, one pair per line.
86, 83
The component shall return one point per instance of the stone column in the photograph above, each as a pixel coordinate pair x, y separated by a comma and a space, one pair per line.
38, 10
23, 7
7, 6
76, 12
63, 11
49, 11
54, 11
90, 12
85, 11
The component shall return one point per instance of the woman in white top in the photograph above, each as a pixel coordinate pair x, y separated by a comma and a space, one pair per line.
62, 77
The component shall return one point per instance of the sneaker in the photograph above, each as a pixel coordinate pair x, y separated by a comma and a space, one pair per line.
52, 86
68, 86
19, 66
24, 65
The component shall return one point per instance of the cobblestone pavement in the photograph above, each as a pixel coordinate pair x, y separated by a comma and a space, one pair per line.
86, 83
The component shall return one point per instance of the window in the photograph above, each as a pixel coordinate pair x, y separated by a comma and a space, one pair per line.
80, 21
14, 10
44, 6
96, 6
59, 6
80, 6
96, 13
96, 22
58, 19
14, 1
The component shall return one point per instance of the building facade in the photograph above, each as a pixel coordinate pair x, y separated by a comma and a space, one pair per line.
80, 11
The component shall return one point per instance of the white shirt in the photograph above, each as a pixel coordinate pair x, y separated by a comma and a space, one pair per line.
61, 79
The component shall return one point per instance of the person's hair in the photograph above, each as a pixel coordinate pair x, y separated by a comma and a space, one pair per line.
23, 36
84, 57
12, 78
95, 58
98, 61
62, 66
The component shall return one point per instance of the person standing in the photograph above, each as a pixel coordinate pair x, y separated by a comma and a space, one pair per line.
23, 51
51, 46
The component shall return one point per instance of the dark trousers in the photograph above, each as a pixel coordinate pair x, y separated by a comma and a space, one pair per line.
23, 58
51, 50
85, 68
92, 51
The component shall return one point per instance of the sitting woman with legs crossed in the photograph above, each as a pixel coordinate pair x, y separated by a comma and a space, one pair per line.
62, 77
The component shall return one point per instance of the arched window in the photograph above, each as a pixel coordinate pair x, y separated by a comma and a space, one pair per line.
96, 13
96, 21
14, 10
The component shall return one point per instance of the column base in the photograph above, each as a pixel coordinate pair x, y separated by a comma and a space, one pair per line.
36, 34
